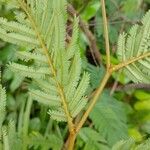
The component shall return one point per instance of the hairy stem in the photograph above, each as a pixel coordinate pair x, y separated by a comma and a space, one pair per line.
106, 36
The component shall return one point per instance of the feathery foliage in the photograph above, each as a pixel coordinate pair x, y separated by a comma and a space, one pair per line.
11, 139
2, 105
2, 108
8, 138
109, 119
130, 145
135, 44
92, 139
56, 67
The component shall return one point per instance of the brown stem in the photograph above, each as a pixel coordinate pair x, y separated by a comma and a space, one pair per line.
72, 138
69, 145
133, 86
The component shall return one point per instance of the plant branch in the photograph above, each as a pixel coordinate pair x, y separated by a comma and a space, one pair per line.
71, 141
106, 36
60, 89
133, 86
128, 62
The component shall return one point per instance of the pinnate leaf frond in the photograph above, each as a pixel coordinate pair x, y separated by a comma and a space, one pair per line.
133, 45
56, 65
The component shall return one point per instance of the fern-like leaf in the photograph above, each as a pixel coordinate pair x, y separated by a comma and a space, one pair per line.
134, 45
109, 119
56, 65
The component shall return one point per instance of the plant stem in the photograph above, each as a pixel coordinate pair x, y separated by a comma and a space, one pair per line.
106, 35
72, 138
102, 84
99, 92
128, 62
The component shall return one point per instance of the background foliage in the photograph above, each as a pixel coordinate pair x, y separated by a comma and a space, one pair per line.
120, 115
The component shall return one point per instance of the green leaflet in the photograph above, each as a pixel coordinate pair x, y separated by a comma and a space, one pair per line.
2, 105
16, 27
18, 39
133, 45
44, 98
72, 45
47, 86
27, 56
57, 115
73, 76
29, 71
21, 18
79, 92
54, 63
78, 107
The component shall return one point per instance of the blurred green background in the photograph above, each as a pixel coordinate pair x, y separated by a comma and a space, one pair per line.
131, 107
